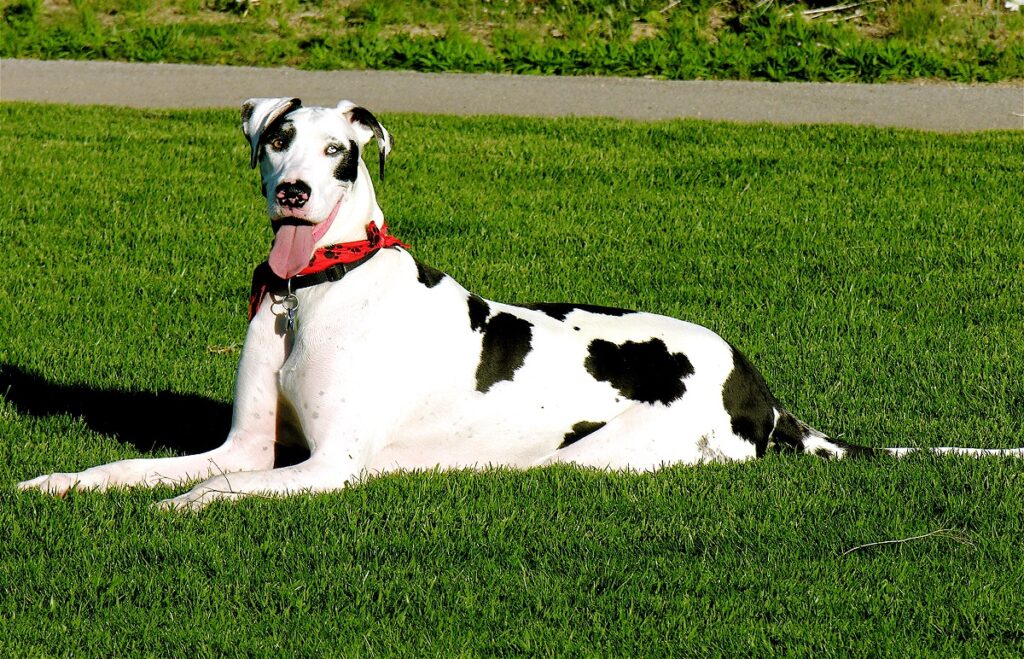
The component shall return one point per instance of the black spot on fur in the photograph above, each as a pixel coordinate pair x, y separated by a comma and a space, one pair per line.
506, 343
428, 276
247, 110
749, 403
365, 117
347, 168
789, 433
751, 408
581, 430
559, 310
855, 451
646, 372
478, 312
795, 431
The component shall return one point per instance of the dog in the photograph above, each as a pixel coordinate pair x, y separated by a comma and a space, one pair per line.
377, 362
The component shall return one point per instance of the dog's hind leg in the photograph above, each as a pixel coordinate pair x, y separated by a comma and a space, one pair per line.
647, 437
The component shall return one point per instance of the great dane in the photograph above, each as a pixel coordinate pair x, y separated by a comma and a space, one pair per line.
377, 362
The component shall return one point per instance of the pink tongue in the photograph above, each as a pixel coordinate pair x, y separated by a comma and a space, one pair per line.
293, 247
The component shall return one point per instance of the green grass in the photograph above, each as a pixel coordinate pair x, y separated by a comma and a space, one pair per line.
873, 41
875, 276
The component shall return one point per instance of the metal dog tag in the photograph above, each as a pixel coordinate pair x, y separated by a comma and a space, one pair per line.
290, 304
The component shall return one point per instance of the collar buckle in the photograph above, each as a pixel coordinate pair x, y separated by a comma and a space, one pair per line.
336, 272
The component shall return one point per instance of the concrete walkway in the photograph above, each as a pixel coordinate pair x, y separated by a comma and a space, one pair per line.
935, 107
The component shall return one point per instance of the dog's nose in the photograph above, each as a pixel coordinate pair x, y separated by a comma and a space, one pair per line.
293, 195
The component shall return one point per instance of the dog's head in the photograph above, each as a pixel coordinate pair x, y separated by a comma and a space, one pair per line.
310, 169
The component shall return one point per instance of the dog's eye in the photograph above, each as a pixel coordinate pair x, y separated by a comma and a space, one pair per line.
332, 150
277, 144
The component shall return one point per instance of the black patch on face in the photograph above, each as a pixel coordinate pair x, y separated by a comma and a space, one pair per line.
751, 407
429, 277
645, 372
580, 430
348, 164
559, 310
478, 312
506, 343
278, 136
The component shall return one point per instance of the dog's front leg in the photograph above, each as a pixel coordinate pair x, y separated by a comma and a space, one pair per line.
249, 445
313, 475
342, 429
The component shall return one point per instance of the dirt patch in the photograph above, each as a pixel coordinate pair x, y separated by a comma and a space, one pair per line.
641, 30
717, 17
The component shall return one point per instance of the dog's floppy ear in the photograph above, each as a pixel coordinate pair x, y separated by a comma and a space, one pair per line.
258, 114
366, 127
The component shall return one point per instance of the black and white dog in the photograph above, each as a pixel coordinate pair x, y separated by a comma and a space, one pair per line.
377, 362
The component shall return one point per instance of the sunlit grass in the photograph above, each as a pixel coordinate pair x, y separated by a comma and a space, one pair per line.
873, 275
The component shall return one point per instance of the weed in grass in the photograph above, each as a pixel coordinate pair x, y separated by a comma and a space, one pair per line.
872, 274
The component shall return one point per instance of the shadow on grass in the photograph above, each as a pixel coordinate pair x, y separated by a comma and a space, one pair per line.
149, 421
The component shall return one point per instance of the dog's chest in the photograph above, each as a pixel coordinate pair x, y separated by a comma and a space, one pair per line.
378, 332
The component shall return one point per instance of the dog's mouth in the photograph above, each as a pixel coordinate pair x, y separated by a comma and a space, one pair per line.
294, 243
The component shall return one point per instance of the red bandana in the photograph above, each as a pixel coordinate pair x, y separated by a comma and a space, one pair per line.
377, 238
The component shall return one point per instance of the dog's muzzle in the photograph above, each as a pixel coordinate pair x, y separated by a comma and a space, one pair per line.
292, 195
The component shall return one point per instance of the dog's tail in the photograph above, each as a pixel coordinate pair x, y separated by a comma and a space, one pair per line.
761, 419
959, 450
791, 432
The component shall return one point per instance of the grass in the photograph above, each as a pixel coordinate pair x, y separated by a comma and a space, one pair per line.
874, 41
873, 275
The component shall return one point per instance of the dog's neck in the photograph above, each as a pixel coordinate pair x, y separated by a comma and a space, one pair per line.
357, 210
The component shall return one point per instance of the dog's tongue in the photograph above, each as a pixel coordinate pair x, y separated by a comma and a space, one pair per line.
293, 247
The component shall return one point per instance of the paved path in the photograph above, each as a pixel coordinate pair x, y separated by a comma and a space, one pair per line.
937, 107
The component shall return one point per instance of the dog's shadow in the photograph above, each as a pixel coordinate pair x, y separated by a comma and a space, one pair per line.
183, 423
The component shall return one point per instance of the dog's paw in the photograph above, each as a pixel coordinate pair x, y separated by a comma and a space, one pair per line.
202, 495
179, 504
56, 484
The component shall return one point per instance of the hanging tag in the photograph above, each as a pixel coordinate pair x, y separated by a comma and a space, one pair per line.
290, 304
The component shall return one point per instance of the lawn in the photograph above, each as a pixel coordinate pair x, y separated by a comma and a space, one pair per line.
814, 40
875, 276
